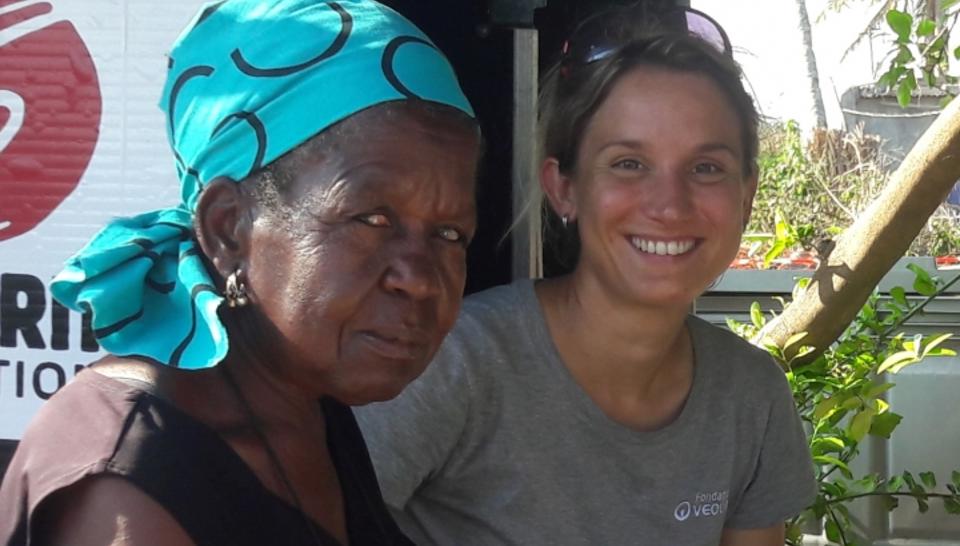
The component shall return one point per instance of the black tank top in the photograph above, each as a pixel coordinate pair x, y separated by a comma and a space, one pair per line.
183, 465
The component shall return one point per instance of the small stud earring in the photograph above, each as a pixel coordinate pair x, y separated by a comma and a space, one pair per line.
565, 220
236, 291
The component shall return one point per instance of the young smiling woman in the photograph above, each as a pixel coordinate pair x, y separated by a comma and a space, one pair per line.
591, 408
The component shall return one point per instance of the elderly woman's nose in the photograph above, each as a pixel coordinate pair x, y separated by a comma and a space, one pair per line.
414, 271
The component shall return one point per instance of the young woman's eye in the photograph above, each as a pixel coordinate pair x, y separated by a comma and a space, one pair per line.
451, 234
709, 172
376, 219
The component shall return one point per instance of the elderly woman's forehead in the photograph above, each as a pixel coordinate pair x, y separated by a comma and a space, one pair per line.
412, 114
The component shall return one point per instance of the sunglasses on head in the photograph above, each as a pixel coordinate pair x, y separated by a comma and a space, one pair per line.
603, 34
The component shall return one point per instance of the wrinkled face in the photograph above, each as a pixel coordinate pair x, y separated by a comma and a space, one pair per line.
659, 191
367, 281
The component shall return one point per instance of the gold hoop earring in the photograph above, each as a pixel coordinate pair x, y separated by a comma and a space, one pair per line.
235, 291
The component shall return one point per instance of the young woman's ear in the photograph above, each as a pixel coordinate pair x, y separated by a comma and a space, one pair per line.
222, 223
558, 188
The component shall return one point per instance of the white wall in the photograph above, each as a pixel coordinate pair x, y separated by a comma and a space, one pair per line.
768, 44
131, 169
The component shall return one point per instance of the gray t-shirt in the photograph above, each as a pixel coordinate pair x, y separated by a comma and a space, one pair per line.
497, 444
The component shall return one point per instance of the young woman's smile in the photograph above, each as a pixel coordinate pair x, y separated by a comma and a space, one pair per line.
659, 190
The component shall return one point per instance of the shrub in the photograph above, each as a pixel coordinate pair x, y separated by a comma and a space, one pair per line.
841, 398
817, 188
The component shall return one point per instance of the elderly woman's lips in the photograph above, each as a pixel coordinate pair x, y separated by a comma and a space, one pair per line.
393, 346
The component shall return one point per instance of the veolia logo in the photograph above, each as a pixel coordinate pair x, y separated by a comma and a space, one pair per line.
50, 108
704, 505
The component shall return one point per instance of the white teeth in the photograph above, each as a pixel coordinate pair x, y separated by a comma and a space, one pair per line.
662, 248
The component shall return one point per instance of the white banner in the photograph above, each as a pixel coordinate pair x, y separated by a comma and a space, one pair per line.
81, 141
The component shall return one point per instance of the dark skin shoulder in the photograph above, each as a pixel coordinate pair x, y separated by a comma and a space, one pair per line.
128, 516
195, 392
105, 510
205, 396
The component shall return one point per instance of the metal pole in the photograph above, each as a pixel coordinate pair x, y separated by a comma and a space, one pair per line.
526, 236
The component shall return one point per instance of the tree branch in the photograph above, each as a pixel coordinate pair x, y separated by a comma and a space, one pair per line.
873, 244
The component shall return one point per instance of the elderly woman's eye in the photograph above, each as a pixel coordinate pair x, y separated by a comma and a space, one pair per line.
375, 220
628, 164
451, 234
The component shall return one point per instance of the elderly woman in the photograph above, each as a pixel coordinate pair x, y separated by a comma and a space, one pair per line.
327, 158
592, 408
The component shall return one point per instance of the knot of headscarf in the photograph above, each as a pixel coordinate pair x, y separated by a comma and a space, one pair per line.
248, 81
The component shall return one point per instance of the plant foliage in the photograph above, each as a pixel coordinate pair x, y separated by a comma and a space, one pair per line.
841, 397
919, 34
810, 191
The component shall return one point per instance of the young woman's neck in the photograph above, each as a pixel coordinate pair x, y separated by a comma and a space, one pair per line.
616, 348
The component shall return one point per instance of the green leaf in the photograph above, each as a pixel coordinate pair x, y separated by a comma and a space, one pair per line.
825, 407
928, 479
904, 56
756, 315
922, 505
867, 484
923, 284
833, 531
951, 505
733, 325
899, 295
794, 339
826, 444
956, 53
884, 424
897, 360
900, 22
890, 502
776, 249
932, 344
852, 403
782, 229
794, 533
876, 389
935, 49
833, 461
903, 94
890, 77
955, 478
926, 27
860, 425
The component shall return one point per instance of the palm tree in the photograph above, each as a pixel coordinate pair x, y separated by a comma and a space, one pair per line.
813, 75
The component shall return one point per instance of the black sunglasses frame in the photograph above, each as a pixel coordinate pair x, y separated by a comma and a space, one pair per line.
596, 38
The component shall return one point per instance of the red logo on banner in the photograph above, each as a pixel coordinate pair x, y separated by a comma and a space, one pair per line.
50, 109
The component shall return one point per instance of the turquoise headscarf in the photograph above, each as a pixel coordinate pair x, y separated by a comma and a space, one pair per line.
249, 80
